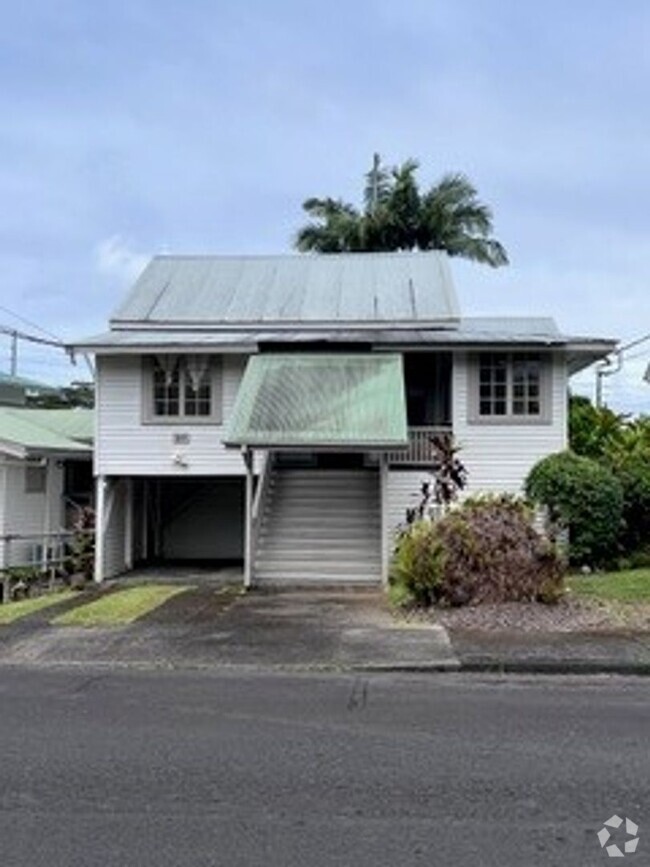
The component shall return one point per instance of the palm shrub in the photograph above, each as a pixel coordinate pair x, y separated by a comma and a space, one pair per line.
486, 550
583, 497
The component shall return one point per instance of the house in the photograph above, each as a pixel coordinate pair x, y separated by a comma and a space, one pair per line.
45, 476
278, 410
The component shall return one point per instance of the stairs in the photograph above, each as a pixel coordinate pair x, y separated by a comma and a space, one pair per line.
320, 526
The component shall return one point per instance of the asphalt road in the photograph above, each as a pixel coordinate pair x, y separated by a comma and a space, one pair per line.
163, 768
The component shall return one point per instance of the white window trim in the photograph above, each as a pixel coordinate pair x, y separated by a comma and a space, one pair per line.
216, 383
545, 416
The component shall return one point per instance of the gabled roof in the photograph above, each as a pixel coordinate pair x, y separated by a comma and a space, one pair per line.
28, 432
363, 289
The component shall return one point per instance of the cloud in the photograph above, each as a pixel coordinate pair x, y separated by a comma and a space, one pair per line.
117, 261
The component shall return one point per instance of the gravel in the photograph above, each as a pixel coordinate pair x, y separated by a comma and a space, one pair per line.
568, 615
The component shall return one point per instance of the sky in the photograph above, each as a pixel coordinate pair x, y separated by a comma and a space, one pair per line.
131, 128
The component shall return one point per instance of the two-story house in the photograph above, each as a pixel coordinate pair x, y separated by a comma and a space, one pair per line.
277, 410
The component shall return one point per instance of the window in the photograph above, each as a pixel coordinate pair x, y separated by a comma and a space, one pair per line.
35, 479
511, 386
182, 388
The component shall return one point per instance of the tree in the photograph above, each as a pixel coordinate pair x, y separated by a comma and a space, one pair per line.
397, 215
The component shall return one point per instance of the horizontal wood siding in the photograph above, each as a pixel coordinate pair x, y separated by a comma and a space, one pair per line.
114, 536
127, 447
25, 514
403, 492
499, 456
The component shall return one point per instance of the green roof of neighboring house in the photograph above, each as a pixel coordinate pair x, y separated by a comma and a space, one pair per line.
320, 401
25, 431
24, 382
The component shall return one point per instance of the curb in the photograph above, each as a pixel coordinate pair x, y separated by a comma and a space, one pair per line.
558, 667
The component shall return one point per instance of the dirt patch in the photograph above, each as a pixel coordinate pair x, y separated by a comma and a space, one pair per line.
568, 615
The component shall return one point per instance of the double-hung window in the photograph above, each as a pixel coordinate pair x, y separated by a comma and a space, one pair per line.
182, 388
510, 386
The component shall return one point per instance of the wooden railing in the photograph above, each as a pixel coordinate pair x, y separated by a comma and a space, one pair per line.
420, 449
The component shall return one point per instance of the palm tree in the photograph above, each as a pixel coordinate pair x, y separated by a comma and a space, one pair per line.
398, 216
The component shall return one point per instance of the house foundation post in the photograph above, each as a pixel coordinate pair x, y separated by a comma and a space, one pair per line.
100, 509
383, 496
248, 519
128, 524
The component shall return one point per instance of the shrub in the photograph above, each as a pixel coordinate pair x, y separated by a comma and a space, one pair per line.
583, 497
487, 550
633, 472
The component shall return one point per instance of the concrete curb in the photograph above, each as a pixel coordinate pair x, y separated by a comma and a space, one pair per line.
556, 666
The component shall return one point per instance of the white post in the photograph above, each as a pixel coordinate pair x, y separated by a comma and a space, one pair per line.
383, 494
100, 508
248, 519
47, 516
128, 524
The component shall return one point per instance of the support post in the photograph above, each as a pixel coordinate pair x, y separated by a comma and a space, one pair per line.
47, 516
383, 494
128, 524
248, 519
100, 509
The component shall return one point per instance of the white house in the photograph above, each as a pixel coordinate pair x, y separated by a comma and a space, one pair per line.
277, 410
45, 474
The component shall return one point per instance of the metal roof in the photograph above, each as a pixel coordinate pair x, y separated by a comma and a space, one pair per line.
25, 431
470, 331
320, 401
337, 289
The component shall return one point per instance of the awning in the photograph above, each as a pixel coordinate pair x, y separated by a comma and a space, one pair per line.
342, 401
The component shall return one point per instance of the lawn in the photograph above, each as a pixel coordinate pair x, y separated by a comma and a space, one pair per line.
631, 586
121, 607
15, 610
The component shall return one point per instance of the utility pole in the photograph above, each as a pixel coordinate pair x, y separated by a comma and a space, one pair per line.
374, 183
604, 368
14, 353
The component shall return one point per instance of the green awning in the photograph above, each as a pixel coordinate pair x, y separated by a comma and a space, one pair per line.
296, 400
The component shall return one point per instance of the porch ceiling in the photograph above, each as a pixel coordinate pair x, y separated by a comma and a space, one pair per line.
342, 401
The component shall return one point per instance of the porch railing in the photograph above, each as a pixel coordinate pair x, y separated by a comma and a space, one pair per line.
420, 447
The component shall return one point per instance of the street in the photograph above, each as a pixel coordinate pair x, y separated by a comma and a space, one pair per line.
122, 767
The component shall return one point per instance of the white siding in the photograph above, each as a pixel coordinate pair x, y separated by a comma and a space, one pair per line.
115, 528
498, 456
403, 492
127, 447
29, 514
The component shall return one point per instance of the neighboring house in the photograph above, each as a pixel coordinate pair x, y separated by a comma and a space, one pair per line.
278, 410
14, 390
45, 476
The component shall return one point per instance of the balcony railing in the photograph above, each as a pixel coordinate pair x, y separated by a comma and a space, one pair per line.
420, 447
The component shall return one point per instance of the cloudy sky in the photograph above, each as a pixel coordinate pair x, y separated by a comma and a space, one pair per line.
128, 128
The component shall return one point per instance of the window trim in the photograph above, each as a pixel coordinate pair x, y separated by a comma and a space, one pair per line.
148, 417
545, 416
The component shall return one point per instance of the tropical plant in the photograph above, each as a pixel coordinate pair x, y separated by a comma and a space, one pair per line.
397, 215
486, 550
448, 477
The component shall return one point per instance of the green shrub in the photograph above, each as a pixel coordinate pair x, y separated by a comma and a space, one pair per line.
584, 497
417, 565
633, 472
487, 550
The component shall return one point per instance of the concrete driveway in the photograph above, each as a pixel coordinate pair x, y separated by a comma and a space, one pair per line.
206, 627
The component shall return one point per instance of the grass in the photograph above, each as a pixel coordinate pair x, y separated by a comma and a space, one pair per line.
121, 607
627, 587
16, 610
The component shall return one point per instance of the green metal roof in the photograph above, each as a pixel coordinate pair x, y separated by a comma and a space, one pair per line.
351, 401
36, 431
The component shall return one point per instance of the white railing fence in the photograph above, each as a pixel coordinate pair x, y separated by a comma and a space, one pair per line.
420, 447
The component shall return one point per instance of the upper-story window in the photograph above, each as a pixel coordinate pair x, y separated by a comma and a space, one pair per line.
183, 388
511, 386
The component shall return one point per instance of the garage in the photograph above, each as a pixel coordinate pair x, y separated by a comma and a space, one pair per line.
193, 520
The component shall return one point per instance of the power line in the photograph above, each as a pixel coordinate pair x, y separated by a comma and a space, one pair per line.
28, 322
